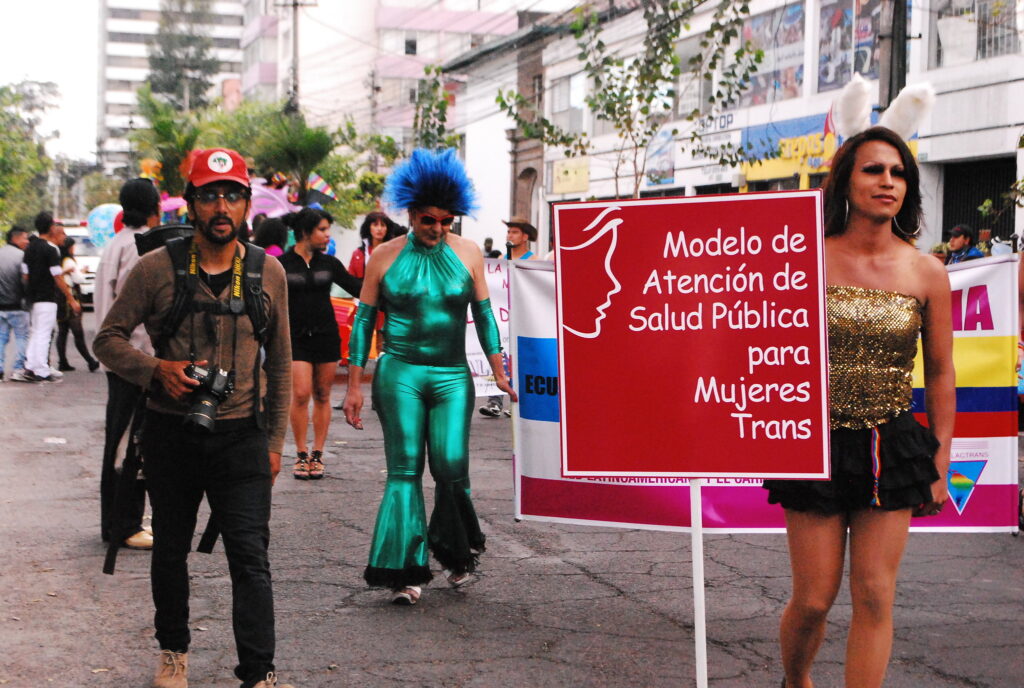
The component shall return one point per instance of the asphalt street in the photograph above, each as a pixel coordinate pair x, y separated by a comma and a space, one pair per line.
555, 605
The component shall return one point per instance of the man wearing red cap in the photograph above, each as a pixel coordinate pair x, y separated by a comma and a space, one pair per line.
200, 436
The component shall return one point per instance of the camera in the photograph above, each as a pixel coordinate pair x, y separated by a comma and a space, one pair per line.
214, 387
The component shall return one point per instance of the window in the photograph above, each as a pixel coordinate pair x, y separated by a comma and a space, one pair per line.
693, 90
122, 85
567, 100
538, 92
780, 34
127, 61
969, 30
154, 16
710, 189
120, 109
848, 41
783, 184
410, 45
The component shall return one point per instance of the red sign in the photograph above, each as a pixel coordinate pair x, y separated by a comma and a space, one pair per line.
692, 337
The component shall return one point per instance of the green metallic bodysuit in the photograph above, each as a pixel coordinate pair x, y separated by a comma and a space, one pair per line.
423, 393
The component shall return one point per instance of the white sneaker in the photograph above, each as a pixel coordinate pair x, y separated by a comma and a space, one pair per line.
56, 374
19, 376
490, 410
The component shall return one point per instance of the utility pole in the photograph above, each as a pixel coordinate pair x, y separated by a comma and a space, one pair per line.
892, 54
293, 93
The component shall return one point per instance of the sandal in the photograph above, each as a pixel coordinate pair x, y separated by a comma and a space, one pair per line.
407, 596
300, 471
316, 465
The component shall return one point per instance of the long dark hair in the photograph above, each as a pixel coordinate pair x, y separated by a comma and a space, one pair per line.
394, 229
837, 185
65, 249
305, 221
271, 232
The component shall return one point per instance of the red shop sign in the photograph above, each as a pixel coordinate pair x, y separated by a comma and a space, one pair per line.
692, 336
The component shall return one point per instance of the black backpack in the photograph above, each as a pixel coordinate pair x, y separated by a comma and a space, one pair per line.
251, 300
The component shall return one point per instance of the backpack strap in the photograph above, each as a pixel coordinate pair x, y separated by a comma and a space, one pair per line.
252, 283
180, 251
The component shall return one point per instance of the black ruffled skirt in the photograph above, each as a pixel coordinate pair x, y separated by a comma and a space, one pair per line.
906, 469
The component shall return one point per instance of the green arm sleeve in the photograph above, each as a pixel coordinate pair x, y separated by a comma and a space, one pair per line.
362, 335
486, 327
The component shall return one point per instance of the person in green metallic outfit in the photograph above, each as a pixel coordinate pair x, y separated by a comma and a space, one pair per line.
422, 388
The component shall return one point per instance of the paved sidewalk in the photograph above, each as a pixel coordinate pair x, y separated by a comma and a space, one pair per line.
555, 605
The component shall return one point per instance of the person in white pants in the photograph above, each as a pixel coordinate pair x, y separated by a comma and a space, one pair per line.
42, 270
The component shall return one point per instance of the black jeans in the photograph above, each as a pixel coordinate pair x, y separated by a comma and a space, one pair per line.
232, 467
122, 399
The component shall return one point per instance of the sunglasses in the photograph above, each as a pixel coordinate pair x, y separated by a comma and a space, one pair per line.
428, 220
211, 197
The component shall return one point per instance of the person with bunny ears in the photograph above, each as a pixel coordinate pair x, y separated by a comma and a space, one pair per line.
882, 293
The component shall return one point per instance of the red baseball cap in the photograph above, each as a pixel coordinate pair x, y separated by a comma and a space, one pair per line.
218, 165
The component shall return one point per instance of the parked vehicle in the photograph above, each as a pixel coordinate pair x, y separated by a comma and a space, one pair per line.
87, 254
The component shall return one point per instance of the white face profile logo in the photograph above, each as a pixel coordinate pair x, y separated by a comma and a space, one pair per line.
220, 162
611, 227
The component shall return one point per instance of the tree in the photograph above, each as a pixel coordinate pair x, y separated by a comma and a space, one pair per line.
180, 59
242, 128
23, 160
430, 121
98, 189
635, 94
290, 145
170, 137
372, 149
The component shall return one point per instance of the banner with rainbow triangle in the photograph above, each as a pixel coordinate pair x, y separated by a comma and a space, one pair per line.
982, 479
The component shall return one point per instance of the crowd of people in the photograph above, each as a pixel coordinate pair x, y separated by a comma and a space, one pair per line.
214, 345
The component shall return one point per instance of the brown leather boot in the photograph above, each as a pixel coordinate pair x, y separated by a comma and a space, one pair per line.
271, 682
172, 670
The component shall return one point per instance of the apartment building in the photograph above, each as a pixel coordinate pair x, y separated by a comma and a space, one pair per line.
126, 29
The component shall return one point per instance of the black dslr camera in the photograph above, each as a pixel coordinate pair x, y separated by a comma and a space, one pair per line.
214, 387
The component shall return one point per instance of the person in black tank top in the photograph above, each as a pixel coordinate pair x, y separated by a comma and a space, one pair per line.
316, 344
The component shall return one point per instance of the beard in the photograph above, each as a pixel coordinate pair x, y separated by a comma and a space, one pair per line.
211, 236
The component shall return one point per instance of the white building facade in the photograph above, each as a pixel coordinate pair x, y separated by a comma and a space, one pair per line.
969, 148
127, 28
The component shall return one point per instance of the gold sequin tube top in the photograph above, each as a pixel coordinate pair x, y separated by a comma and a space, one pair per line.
872, 341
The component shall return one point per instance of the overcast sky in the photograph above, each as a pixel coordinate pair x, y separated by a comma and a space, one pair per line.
56, 40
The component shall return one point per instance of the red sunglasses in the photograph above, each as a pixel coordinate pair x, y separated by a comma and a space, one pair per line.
429, 220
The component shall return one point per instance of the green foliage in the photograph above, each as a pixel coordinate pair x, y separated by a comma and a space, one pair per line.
289, 144
354, 198
100, 189
181, 61
636, 94
23, 160
376, 149
242, 128
430, 122
170, 137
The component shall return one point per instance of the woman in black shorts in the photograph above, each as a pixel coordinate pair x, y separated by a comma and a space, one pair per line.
881, 294
316, 344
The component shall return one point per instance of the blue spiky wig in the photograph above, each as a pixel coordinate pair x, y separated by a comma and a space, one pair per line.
431, 179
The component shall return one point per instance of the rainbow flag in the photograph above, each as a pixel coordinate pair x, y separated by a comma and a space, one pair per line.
318, 183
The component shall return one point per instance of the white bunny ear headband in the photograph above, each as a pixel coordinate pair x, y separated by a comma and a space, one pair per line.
851, 111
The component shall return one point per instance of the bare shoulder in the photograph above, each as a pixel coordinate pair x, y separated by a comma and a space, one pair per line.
384, 255
929, 268
390, 248
392, 245
465, 249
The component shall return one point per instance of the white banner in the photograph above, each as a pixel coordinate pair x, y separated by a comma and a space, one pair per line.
497, 285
